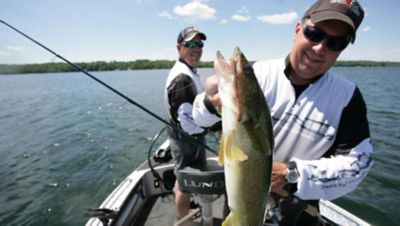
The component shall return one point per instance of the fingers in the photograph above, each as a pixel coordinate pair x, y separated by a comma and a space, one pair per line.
211, 85
215, 100
278, 179
277, 183
211, 89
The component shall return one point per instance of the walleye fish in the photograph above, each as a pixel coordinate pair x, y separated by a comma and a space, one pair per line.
246, 141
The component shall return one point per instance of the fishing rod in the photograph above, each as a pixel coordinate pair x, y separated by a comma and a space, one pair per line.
177, 129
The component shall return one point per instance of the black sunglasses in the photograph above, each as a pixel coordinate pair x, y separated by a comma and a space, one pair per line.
192, 44
316, 34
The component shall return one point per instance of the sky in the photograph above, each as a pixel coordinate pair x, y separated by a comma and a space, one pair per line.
126, 30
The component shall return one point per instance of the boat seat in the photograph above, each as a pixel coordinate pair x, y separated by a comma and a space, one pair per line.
209, 180
153, 186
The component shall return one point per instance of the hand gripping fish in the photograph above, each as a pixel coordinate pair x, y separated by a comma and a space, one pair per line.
246, 141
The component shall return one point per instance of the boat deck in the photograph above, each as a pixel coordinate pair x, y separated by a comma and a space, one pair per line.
164, 212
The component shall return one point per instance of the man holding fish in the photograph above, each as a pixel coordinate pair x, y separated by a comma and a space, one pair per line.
321, 141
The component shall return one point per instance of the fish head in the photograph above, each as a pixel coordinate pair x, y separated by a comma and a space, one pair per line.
224, 70
238, 87
247, 90
245, 80
225, 73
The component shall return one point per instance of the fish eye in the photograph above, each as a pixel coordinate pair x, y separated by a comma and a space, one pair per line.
248, 69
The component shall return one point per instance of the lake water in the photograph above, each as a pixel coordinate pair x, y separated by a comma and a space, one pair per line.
66, 142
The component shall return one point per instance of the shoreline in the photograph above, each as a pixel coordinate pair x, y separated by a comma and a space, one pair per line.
7, 69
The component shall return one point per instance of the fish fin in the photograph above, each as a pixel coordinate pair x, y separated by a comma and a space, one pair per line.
265, 140
230, 220
261, 138
232, 150
221, 156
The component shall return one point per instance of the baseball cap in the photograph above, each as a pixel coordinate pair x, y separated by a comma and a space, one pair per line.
189, 33
348, 11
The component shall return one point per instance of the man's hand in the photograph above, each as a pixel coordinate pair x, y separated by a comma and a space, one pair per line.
211, 85
278, 180
211, 89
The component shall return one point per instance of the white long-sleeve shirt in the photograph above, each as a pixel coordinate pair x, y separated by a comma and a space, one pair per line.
323, 128
181, 88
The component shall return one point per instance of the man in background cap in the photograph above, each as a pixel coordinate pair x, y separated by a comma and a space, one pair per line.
182, 86
322, 141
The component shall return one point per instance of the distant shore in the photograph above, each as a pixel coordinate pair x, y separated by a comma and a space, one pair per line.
144, 64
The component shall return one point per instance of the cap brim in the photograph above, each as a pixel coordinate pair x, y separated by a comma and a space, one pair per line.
193, 34
322, 16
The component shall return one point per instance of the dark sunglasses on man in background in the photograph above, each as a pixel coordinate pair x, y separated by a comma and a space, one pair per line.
192, 44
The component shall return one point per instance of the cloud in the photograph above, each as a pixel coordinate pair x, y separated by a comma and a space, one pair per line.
241, 18
4, 54
142, 1
243, 10
223, 21
10, 50
366, 13
196, 10
284, 18
15, 48
366, 29
167, 15
242, 15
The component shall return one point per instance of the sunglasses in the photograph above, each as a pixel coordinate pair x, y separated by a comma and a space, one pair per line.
316, 34
192, 44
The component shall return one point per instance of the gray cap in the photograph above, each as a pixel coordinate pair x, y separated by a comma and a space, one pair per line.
189, 33
348, 11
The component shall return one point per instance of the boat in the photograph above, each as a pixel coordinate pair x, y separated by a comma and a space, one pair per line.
145, 197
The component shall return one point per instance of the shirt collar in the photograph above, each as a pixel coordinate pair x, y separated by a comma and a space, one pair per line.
194, 70
288, 67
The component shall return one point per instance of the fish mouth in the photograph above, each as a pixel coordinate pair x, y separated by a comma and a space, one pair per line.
220, 57
228, 70
236, 54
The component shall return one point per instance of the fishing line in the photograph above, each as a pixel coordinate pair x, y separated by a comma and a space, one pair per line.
177, 129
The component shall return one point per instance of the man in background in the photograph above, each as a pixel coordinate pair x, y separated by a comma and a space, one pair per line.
182, 86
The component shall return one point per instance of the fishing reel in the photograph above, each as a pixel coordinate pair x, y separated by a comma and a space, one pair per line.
162, 155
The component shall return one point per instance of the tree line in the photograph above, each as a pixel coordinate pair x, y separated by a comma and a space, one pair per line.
366, 63
142, 65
